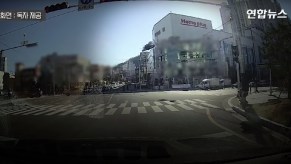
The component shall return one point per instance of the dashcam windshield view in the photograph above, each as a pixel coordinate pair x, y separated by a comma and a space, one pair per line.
145, 81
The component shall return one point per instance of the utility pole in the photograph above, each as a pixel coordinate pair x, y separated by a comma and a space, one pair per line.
139, 79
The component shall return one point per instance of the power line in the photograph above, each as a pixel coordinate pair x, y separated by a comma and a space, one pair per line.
6, 45
21, 28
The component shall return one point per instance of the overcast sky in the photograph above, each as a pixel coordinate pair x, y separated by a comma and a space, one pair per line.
109, 34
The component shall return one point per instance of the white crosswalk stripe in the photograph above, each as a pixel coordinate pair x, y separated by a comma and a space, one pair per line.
180, 102
185, 107
111, 111
25, 109
11, 109
122, 105
7, 109
110, 106
61, 109
210, 105
141, 110
34, 111
96, 110
171, 108
198, 100
158, 103
157, 109
190, 101
146, 104
169, 102
17, 109
126, 110
134, 104
48, 110
87, 109
198, 106
38, 109
73, 110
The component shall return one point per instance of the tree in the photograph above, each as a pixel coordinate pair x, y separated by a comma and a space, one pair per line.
148, 46
276, 48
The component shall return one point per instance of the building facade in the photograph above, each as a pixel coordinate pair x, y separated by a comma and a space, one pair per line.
62, 72
250, 31
188, 50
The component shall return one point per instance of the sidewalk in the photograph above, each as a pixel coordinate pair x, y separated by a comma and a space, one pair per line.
271, 111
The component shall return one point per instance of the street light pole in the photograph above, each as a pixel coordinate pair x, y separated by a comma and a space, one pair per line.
28, 45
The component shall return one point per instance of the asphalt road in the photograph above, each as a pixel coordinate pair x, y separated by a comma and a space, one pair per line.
167, 115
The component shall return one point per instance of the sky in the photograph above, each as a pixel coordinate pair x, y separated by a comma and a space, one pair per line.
109, 34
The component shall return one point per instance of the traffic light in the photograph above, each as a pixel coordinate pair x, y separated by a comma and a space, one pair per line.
56, 7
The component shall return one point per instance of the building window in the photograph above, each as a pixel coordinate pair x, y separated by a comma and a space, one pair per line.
164, 29
157, 33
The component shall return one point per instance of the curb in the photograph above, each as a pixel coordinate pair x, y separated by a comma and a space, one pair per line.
282, 129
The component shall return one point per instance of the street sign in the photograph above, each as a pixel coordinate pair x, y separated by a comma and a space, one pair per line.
85, 5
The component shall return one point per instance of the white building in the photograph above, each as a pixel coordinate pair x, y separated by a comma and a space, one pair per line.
188, 49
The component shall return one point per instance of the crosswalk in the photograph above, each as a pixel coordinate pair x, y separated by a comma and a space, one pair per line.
220, 92
124, 108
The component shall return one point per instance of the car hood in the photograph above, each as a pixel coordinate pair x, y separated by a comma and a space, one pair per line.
139, 148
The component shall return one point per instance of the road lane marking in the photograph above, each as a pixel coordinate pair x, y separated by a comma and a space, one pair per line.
185, 107
226, 129
158, 103
10, 109
87, 109
141, 110
171, 108
198, 100
146, 104
63, 108
126, 110
122, 105
110, 106
96, 111
180, 102
111, 111
156, 109
190, 101
24, 109
48, 110
73, 110
37, 109
210, 105
134, 104
34, 111
15, 109
169, 102
198, 106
